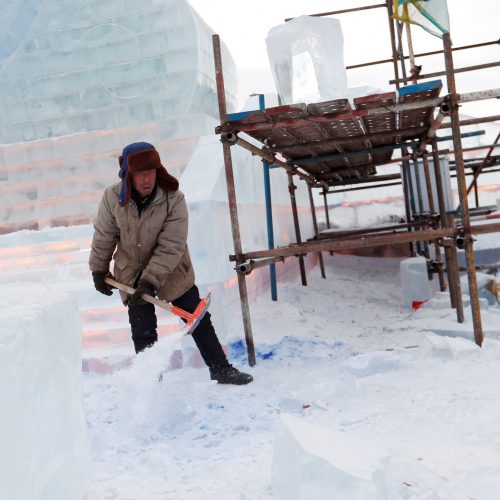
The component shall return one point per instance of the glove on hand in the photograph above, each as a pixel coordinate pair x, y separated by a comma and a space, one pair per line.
100, 284
142, 288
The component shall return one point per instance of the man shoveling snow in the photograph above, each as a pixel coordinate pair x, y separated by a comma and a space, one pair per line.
145, 219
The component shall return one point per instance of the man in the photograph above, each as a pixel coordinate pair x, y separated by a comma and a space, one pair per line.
142, 223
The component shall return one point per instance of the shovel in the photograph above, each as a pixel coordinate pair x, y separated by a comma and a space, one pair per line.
191, 319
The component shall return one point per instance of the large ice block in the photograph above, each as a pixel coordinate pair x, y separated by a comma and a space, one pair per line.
310, 461
44, 452
415, 282
418, 186
297, 53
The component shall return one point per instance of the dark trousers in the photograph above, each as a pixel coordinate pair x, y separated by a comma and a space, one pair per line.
142, 318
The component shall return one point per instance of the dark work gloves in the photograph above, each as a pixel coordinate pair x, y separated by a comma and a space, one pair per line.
142, 288
100, 284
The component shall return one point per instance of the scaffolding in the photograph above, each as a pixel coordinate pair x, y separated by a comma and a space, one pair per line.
330, 144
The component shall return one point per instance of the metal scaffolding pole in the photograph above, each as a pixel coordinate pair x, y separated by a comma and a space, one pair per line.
269, 213
432, 210
422, 54
233, 209
416, 248
478, 171
291, 190
458, 70
327, 215
450, 252
393, 41
374, 240
316, 232
462, 190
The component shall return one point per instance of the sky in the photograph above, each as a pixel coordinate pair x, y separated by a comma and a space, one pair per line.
366, 38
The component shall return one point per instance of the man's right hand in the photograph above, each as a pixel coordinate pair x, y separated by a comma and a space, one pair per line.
100, 284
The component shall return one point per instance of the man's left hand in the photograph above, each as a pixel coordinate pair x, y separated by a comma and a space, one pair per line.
142, 288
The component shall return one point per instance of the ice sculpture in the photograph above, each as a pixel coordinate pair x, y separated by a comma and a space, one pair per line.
96, 65
297, 53
84, 78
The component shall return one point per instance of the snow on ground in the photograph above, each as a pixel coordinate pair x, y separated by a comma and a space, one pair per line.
354, 396
341, 355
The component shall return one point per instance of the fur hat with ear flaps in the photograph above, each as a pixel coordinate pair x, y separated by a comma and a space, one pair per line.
139, 157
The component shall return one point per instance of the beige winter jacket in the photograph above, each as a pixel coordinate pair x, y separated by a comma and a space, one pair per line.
154, 243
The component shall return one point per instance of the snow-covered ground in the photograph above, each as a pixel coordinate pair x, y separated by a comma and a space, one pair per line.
415, 410
354, 395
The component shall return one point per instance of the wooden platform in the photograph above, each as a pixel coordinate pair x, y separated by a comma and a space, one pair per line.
335, 142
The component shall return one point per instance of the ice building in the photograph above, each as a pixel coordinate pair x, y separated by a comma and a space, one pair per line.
79, 79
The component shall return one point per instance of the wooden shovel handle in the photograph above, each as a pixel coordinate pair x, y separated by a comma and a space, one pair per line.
145, 296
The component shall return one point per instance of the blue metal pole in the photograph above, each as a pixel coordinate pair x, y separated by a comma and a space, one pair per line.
269, 214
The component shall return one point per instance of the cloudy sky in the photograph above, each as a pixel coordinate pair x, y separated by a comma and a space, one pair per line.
244, 26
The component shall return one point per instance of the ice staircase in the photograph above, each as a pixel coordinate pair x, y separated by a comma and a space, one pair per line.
58, 259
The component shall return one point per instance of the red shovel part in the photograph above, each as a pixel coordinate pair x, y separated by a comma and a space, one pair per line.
417, 304
191, 319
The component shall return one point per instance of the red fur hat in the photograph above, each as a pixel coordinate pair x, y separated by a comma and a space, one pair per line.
140, 157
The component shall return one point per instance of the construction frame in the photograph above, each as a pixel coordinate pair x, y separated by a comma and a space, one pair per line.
330, 145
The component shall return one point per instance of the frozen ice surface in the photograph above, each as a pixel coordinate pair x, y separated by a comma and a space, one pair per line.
297, 53
415, 282
45, 449
311, 461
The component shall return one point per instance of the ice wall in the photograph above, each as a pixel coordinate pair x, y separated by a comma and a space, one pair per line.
92, 65
15, 21
416, 178
44, 452
297, 53
210, 237
87, 78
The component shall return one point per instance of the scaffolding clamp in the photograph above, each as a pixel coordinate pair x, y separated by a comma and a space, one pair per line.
228, 137
245, 267
451, 101
462, 237
236, 258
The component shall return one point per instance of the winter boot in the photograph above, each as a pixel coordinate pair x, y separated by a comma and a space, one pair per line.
229, 375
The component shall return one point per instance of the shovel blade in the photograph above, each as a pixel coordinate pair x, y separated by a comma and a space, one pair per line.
197, 315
